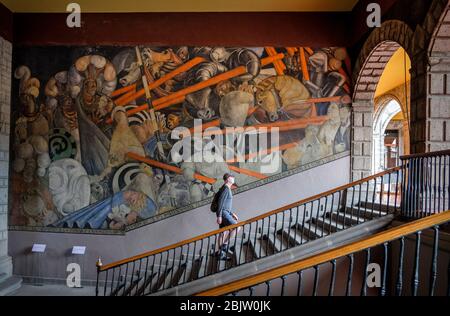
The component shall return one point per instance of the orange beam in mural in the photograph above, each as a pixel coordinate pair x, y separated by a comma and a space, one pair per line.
216, 123
161, 165
280, 67
304, 64
183, 68
166, 101
282, 126
266, 152
123, 90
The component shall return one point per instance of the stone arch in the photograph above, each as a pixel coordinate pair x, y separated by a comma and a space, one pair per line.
375, 54
389, 106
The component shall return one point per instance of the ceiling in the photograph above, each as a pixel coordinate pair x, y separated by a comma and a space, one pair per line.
394, 72
181, 5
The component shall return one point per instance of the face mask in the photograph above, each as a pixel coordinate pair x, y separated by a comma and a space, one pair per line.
231, 180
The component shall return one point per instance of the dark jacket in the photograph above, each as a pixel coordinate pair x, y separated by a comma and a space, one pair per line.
225, 201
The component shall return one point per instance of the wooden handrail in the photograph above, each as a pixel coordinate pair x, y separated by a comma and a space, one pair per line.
249, 221
370, 242
427, 155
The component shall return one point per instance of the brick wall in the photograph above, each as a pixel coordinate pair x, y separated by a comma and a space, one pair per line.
5, 107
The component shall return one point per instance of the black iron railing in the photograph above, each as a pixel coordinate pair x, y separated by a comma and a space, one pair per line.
268, 234
426, 184
391, 263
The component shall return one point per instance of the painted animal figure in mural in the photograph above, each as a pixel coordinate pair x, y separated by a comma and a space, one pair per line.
157, 63
204, 104
234, 107
276, 93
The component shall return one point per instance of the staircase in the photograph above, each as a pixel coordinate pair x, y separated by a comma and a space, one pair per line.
322, 222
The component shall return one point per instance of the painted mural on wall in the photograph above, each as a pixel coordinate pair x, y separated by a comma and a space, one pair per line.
93, 149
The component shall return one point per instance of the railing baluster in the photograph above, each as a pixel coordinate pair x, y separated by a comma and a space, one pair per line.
145, 274
187, 261
388, 202
173, 267
415, 280
364, 282
296, 224
193, 254
439, 210
319, 204
373, 196
444, 185
208, 254
106, 282
385, 269
324, 216
420, 188
112, 280
333, 278
243, 234
359, 203
434, 261
397, 176
316, 279
299, 283
126, 278
399, 286
331, 214
350, 275
151, 275
267, 237
381, 195
132, 277
283, 285
268, 288
303, 223
262, 233
138, 275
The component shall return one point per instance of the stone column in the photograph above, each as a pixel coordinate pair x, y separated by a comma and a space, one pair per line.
362, 139
5, 109
438, 118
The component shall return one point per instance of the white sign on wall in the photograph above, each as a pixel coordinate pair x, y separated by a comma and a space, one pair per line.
79, 250
38, 248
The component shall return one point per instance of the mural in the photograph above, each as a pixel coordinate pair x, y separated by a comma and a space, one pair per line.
93, 127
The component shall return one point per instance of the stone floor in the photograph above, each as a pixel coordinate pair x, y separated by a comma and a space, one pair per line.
53, 290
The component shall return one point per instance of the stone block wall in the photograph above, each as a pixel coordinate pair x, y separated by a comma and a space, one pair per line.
5, 109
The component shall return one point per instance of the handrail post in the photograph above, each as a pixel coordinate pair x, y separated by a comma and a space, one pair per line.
99, 265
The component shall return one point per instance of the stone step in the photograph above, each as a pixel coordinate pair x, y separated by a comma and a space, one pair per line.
9, 285
330, 225
295, 237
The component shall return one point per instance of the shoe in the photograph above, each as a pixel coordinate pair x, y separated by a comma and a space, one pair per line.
224, 256
228, 248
